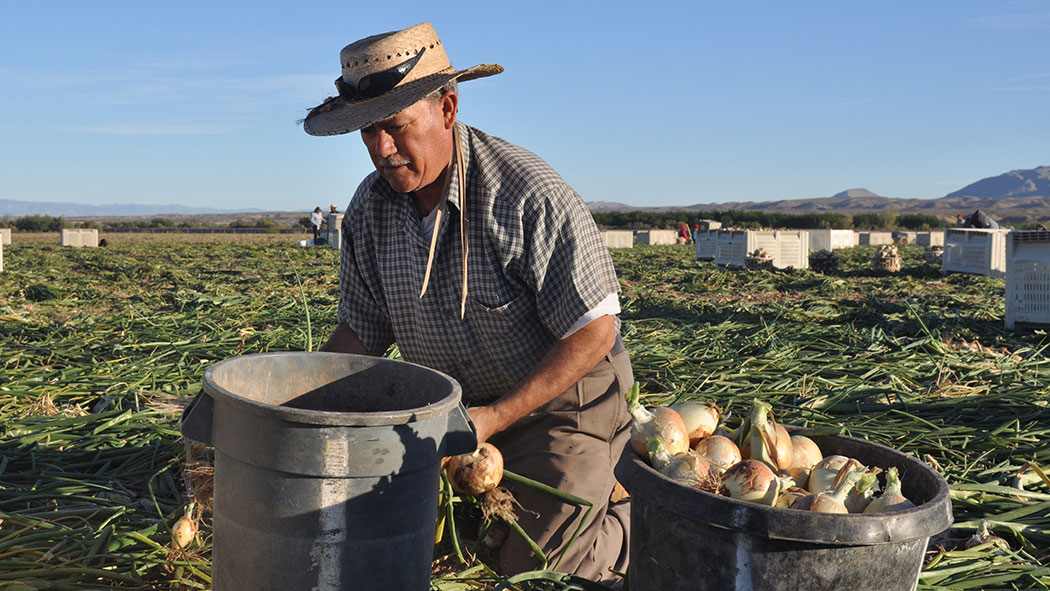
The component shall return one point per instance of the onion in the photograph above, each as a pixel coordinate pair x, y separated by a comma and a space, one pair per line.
862, 494
804, 455
689, 468
720, 451
751, 480
835, 501
476, 472
788, 497
183, 533
660, 424
770, 443
700, 418
823, 474
892, 499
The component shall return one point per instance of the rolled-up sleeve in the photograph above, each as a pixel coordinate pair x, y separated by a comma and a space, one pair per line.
569, 263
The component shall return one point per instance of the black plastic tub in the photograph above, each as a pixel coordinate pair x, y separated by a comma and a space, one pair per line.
687, 539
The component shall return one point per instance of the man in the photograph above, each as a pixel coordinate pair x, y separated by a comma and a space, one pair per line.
478, 260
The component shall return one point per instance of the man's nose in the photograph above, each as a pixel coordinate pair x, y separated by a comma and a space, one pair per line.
384, 144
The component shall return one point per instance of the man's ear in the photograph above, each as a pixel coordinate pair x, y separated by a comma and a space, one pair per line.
449, 104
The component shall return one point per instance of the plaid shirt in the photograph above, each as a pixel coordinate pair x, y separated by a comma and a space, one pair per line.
536, 264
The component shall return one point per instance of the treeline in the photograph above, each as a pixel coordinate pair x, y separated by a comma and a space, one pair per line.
762, 219
47, 223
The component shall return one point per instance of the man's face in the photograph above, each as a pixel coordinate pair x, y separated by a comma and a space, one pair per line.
412, 149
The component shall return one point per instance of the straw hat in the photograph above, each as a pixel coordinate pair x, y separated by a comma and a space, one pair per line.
385, 74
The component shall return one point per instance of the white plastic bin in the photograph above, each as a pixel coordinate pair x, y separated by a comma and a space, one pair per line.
875, 238
831, 239
1, 255
656, 236
80, 237
335, 230
790, 248
1028, 279
706, 243
975, 251
5, 235
618, 238
934, 238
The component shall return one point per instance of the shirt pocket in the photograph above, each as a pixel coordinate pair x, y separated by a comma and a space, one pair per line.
510, 333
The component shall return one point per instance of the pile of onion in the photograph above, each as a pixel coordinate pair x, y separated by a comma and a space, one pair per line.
760, 461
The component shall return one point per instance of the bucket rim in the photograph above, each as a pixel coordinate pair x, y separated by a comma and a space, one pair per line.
925, 520
334, 418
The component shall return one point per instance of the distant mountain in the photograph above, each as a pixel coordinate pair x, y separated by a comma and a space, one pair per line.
1016, 183
20, 208
1016, 196
855, 194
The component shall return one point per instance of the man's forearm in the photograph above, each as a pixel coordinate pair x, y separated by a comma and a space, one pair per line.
565, 363
344, 340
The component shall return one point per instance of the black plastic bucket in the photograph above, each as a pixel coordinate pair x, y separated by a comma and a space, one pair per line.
687, 539
326, 469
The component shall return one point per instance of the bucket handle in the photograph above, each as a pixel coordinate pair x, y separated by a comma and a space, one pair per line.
460, 434
196, 421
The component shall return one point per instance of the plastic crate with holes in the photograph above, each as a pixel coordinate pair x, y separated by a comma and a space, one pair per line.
1028, 279
975, 251
789, 248
706, 240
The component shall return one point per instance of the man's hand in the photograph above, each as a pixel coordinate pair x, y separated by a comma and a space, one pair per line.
485, 422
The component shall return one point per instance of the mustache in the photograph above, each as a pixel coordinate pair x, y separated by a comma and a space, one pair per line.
393, 162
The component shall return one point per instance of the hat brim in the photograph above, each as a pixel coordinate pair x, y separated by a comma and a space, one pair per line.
335, 116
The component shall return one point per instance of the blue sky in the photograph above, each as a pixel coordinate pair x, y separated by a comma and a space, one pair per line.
645, 103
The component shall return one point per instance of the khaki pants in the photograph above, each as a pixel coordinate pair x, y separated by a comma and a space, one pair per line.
572, 444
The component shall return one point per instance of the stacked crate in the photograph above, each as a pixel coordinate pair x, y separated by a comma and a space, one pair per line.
976, 251
1028, 279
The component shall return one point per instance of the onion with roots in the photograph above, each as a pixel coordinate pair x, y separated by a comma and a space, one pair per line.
892, 499
660, 424
751, 480
476, 472
184, 531
720, 451
804, 455
688, 468
700, 418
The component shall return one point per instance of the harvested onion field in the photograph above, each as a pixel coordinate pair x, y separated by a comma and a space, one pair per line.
100, 349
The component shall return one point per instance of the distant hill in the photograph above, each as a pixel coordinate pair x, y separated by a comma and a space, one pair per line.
21, 208
1016, 183
855, 194
1016, 196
